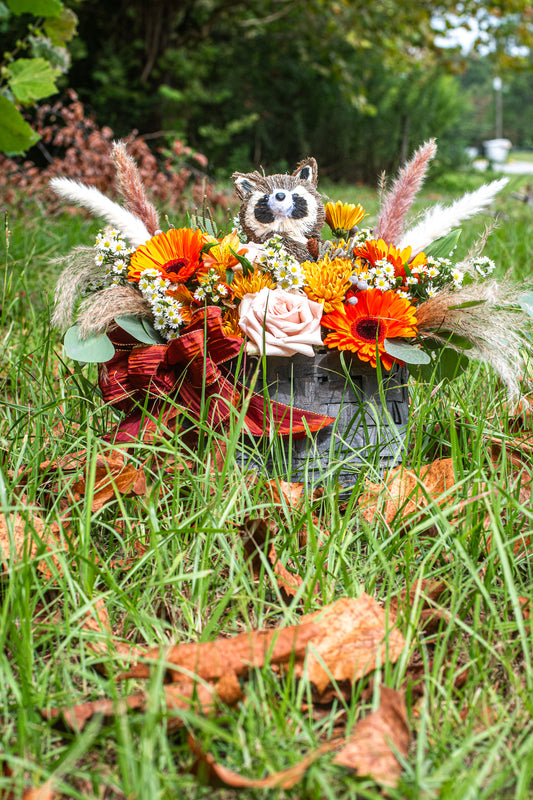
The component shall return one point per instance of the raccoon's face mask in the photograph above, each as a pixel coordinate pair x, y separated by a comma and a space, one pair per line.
286, 204
280, 202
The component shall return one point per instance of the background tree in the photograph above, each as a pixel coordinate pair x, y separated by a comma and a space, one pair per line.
33, 37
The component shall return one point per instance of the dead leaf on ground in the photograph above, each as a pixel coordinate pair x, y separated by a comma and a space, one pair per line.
257, 534
28, 527
111, 480
405, 491
355, 635
427, 592
75, 717
376, 739
217, 775
211, 660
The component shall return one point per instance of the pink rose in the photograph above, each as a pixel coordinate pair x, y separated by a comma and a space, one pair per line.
286, 322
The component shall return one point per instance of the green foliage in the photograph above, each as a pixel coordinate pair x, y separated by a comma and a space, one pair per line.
26, 79
15, 133
91, 350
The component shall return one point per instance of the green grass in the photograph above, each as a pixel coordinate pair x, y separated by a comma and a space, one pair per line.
471, 739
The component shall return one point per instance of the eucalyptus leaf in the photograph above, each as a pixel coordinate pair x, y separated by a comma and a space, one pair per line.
93, 349
525, 302
443, 247
135, 327
151, 331
399, 348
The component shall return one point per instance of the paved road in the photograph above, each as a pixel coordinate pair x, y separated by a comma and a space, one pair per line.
515, 167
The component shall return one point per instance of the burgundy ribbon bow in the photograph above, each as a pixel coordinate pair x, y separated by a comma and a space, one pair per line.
190, 370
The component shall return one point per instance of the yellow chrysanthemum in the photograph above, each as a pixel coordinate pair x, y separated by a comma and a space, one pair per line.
230, 323
251, 283
327, 281
342, 217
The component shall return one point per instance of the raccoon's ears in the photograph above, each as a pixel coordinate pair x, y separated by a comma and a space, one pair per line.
307, 170
244, 183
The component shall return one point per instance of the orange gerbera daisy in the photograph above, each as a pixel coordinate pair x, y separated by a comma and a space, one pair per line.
376, 316
175, 254
374, 250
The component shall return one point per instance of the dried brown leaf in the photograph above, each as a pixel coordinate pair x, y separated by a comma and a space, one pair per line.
217, 775
405, 491
355, 635
44, 792
376, 739
26, 526
75, 717
110, 479
212, 660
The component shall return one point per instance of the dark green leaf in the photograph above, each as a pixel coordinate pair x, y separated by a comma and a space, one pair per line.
135, 327
39, 8
151, 331
399, 348
246, 265
93, 349
456, 339
16, 136
229, 276
443, 247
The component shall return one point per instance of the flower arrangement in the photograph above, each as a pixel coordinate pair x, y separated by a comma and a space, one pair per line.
385, 294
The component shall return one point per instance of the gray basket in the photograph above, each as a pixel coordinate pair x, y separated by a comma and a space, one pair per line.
340, 386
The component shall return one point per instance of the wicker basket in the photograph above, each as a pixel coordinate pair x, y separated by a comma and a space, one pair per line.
343, 387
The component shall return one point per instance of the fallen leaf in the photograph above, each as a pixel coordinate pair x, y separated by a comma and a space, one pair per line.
355, 635
111, 480
211, 660
43, 792
292, 493
257, 533
215, 774
75, 717
28, 527
407, 491
376, 739
427, 592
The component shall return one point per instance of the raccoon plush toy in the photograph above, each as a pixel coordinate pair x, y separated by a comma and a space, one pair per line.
288, 205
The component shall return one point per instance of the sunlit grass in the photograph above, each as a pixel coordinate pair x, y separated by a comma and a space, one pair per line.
473, 732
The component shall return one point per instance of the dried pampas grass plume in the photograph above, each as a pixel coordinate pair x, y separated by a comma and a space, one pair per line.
399, 200
440, 220
131, 188
79, 273
132, 228
498, 330
99, 310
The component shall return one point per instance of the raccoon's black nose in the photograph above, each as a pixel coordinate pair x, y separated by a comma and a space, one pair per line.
280, 196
